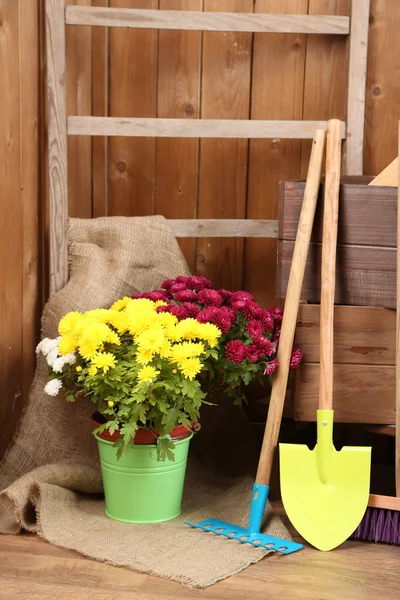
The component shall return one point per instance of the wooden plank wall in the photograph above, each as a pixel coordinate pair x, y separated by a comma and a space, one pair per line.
19, 218
173, 74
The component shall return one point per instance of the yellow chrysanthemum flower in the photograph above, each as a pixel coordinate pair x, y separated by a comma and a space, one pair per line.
152, 340
186, 350
190, 367
209, 333
165, 350
147, 374
67, 344
104, 361
143, 357
119, 320
81, 326
92, 370
98, 315
173, 333
188, 329
141, 304
88, 348
139, 322
167, 319
94, 335
68, 322
158, 303
113, 338
121, 304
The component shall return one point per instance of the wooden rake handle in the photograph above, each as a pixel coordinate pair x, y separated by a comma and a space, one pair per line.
295, 283
397, 451
328, 263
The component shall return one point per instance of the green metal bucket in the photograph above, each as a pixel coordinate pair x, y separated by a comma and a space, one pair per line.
140, 488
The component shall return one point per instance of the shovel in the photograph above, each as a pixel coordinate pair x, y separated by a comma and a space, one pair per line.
325, 492
252, 534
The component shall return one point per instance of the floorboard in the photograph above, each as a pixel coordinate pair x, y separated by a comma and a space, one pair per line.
32, 569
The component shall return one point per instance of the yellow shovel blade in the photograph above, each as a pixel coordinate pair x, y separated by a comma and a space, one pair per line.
325, 492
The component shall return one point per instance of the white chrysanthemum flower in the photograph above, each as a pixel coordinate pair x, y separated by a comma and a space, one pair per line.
52, 387
40, 346
52, 356
58, 364
70, 359
47, 345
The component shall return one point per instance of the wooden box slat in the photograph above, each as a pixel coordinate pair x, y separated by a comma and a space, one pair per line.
366, 257
367, 214
361, 393
364, 364
365, 276
362, 335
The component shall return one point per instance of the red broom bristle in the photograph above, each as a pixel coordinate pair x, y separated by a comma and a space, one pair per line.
379, 525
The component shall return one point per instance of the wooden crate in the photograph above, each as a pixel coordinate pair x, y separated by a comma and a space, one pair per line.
364, 364
364, 352
366, 258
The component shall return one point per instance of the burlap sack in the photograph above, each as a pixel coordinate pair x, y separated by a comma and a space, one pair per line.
50, 475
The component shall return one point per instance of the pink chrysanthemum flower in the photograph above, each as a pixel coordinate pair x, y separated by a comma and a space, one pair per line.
182, 279
263, 344
255, 327
254, 310
196, 282
185, 296
241, 296
217, 316
177, 287
252, 352
209, 298
167, 283
239, 305
229, 311
277, 313
189, 309
235, 351
267, 319
162, 309
295, 359
271, 367
156, 295
226, 294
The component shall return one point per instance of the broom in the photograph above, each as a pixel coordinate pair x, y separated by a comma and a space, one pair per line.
381, 522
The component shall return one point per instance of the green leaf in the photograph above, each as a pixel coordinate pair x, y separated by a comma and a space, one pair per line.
122, 447
113, 427
165, 447
100, 429
247, 377
128, 431
70, 398
170, 419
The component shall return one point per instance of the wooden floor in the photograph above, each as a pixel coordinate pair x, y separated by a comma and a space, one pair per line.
32, 569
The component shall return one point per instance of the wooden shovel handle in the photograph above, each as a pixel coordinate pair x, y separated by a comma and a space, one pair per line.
328, 263
295, 283
398, 335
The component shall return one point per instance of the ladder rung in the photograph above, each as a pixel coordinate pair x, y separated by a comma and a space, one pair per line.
206, 21
224, 228
194, 128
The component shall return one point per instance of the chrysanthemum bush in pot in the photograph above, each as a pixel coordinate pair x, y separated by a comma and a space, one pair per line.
140, 368
248, 346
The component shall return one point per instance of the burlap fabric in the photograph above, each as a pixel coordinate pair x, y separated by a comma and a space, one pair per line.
50, 476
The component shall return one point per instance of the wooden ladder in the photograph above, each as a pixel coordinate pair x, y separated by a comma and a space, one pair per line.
59, 126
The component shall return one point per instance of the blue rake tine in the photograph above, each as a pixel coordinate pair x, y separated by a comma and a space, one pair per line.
252, 534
